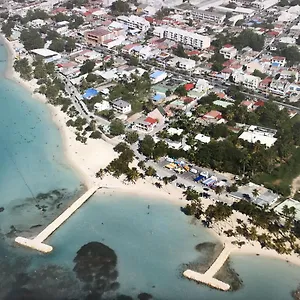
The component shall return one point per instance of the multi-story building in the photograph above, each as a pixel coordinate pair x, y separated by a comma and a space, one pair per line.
228, 51
278, 61
101, 35
206, 15
279, 86
134, 22
184, 37
145, 124
121, 106
249, 81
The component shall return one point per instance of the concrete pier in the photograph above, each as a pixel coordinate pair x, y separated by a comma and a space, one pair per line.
37, 242
207, 277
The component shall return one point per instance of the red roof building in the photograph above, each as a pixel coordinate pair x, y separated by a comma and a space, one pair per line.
189, 86
213, 114
150, 120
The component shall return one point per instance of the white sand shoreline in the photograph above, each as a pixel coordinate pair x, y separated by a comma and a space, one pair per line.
87, 159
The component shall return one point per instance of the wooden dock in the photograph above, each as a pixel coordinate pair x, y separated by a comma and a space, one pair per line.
37, 242
207, 277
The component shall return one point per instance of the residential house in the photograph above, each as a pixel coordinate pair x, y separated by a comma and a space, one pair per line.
186, 63
121, 106
202, 138
228, 51
225, 73
248, 104
246, 55
158, 76
148, 52
127, 49
278, 61
158, 114
213, 114
258, 104
289, 74
145, 124
104, 105
265, 83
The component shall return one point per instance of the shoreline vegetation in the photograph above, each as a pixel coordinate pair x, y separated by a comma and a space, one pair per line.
87, 159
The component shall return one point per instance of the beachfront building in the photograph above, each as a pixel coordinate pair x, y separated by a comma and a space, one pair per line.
263, 135
134, 22
46, 55
183, 36
121, 106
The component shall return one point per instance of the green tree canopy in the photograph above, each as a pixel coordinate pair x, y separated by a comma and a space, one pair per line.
120, 7
117, 127
75, 21
146, 146
249, 38
131, 137
31, 39
179, 51
57, 45
22, 66
87, 67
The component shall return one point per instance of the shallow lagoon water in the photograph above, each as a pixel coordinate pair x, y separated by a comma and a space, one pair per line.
151, 248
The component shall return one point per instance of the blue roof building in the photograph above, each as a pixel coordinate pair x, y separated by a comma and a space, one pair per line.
156, 74
157, 97
90, 93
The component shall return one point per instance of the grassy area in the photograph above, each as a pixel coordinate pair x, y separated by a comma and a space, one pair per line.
281, 178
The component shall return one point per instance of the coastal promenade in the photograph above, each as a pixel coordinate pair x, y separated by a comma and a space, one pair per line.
37, 242
207, 277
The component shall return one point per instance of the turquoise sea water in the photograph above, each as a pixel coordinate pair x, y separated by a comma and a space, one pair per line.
151, 243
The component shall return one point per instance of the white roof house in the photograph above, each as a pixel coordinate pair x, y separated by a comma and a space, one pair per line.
202, 138
259, 134
172, 131
104, 105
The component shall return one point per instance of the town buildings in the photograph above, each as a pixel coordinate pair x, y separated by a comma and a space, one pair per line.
209, 16
134, 22
183, 36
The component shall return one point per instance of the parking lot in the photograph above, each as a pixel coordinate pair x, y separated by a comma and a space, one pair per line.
188, 176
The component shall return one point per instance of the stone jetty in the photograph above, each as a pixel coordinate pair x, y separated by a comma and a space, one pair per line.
37, 243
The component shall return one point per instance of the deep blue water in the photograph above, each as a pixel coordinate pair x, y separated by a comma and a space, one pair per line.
150, 245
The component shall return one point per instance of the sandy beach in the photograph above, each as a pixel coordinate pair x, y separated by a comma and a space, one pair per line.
88, 158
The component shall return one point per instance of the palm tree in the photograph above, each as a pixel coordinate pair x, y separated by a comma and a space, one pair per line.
132, 175
218, 190
158, 185
100, 173
255, 193
253, 234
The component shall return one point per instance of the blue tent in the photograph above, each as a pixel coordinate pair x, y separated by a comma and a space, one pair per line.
90, 93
